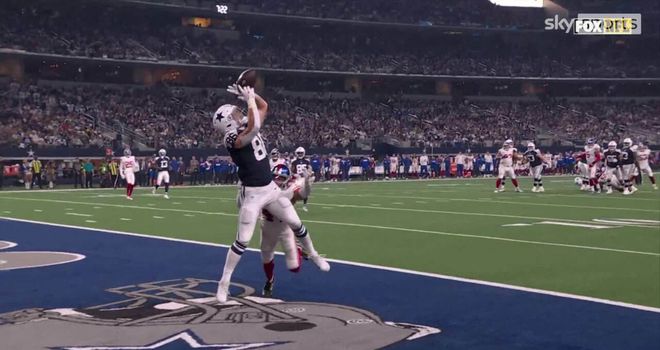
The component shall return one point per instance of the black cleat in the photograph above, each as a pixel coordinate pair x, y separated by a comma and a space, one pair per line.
268, 289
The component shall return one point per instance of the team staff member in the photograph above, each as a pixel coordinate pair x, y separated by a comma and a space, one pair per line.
89, 173
113, 168
36, 172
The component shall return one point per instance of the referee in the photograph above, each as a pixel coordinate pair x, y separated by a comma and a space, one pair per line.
113, 172
36, 170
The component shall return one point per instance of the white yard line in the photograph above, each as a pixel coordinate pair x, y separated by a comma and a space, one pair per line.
38, 210
125, 219
78, 214
90, 221
557, 205
379, 267
440, 233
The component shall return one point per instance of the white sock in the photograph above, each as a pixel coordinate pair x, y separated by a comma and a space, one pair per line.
230, 264
307, 244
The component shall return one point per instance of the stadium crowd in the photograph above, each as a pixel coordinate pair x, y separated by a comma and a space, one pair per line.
179, 118
121, 33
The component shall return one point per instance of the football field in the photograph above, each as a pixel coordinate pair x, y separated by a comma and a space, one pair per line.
563, 240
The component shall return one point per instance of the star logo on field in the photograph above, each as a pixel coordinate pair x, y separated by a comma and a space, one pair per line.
184, 340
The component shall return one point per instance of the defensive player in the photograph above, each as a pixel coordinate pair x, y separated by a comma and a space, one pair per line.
303, 168
257, 191
163, 166
275, 158
612, 159
506, 155
535, 159
127, 169
583, 170
642, 156
628, 166
273, 230
594, 157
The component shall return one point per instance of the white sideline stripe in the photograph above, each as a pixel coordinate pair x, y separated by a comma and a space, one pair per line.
379, 267
78, 214
557, 205
383, 227
7, 245
576, 225
626, 223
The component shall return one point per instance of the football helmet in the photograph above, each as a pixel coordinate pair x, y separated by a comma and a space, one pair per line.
591, 141
127, 152
611, 145
531, 146
508, 143
162, 152
300, 153
275, 153
224, 118
281, 174
627, 142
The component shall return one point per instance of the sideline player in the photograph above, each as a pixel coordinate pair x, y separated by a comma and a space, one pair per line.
612, 159
257, 191
303, 168
535, 159
163, 166
506, 155
294, 187
643, 154
127, 169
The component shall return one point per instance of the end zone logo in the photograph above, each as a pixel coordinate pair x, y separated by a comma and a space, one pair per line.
598, 24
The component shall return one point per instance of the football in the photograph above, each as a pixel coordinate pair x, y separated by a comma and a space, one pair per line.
247, 78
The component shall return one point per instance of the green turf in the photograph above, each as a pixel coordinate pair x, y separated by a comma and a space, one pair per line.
451, 227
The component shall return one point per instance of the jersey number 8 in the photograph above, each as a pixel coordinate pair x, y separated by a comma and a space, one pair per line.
259, 147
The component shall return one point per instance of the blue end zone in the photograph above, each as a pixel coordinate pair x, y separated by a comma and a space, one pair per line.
470, 316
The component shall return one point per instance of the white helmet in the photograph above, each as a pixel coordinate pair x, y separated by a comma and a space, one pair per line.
223, 119
162, 152
275, 153
578, 181
531, 146
300, 153
627, 142
127, 152
508, 142
611, 145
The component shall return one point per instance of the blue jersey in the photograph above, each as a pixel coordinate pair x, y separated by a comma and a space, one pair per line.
364, 163
316, 164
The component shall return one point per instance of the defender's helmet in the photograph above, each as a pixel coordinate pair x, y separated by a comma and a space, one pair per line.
591, 141
127, 152
275, 153
281, 174
611, 145
531, 146
627, 142
162, 152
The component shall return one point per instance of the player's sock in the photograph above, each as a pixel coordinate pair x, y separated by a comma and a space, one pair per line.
305, 201
540, 182
167, 187
652, 178
269, 270
233, 257
305, 240
129, 190
514, 182
498, 183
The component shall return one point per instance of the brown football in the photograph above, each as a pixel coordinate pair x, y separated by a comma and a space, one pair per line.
247, 78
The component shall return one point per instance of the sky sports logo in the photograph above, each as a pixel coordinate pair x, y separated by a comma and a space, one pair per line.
598, 24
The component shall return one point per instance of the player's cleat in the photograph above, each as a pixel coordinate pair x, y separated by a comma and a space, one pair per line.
533, 189
497, 190
166, 196
129, 198
518, 189
305, 208
320, 262
626, 192
609, 191
223, 292
633, 189
540, 189
268, 289
153, 191
655, 187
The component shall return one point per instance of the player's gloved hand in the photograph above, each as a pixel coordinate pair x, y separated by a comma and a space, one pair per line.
247, 93
233, 89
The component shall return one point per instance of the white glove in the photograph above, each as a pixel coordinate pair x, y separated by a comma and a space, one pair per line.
244, 93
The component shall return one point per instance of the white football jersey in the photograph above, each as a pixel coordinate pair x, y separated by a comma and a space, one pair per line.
591, 151
643, 157
506, 156
424, 160
128, 164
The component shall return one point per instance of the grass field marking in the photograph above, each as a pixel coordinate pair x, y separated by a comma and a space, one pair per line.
125, 219
597, 227
90, 221
432, 211
189, 215
596, 196
557, 205
6, 212
78, 214
379, 227
38, 210
372, 266
625, 222
158, 217
641, 220
516, 225
7, 245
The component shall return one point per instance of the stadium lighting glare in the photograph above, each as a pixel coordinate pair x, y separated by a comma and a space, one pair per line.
518, 3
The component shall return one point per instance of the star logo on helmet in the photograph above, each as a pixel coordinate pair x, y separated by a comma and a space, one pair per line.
183, 340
